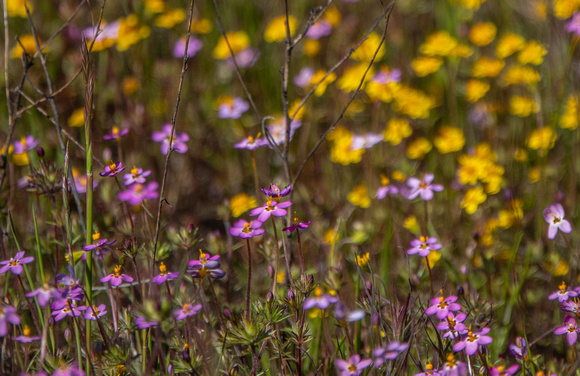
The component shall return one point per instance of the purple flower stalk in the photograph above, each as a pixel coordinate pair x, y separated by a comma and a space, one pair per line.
194, 46
112, 169
100, 243
204, 266
563, 293
270, 208
386, 188
423, 187
554, 215
519, 349
245, 229
423, 246
274, 192
117, 277
164, 136
95, 312
137, 193
67, 309
570, 328
389, 352
353, 367
320, 300
116, 134
8, 315
473, 341
137, 175
251, 143
164, 276
24, 145
187, 311
232, 108
143, 323
15, 263
441, 306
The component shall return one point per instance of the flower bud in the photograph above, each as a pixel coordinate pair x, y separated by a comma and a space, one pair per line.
269, 296
227, 314
67, 335
40, 151
460, 291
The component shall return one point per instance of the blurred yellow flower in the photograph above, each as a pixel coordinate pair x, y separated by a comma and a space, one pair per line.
472, 199
359, 196
154, 6
534, 175
170, 18
523, 106
294, 107
482, 34
340, 152
432, 258
352, 76
540, 9
494, 182
475, 90
330, 237
280, 277
565, 8
412, 102
311, 47
130, 32
319, 75
332, 15
472, 4
238, 41
397, 130
508, 44
21, 159
201, 26
363, 260
561, 268
461, 50
512, 215
367, 49
130, 85
241, 203
15, 8
520, 155
399, 176
276, 29
29, 45
532, 53
425, 65
419, 148
543, 138
520, 75
470, 170
410, 223
449, 139
77, 118
382, 92
569, 119
438, 44
486, 67
484, 152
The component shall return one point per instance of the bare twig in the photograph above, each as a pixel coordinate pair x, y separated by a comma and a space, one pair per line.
315, 15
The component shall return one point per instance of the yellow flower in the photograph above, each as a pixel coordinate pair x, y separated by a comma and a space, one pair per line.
340, 152
419, 148
353, 75
486, 67
561, 268
425, 65
449, 139
201, 26
523, 106
472, 199
569, 119
77, 118
319, 75
363, 260
508, 44
311, 47
15, 8
170, 18
520, 75
332, 15
493, 182
367, 49
412, 102
471, 168
399, 176
382, 92
238, 41
475, 90
483, 151
565, 8
294, 107
512, 215
410, 223
276, 29
438, 44
482, 34
472, 4
280, 277
330, 237
534, 175
130, 32
532, 53
396, 131
540, 9
461, 50
520, 155
432, 258
130, 85
21, 159
154, 6
241, 203
29, 46
543, 138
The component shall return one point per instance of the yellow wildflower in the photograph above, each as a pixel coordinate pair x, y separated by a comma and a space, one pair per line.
412, 102
540, 9
396, 131
77, 118
472, 199
340, 152
475, 90
482, 34
130, 85
201, 26
542, 138
359, 196
382, 92
29, 45
419, 148
280, 277
472, 4
508, 44
330, 237
241, 203
520, 155
154, 6
461, 50
532, 53
438, 44
367, 49
484, 151
170, 18
15, 8
353, 75
449, 139
399, 176
561, 268
311, 47
432, 258
569, 119
238, 41
564, 9
332, 15
425, 65
487, 238
486, 67
276, 29
471, 168
523, 106
21, 159
534, 175
363, 260
493, 177
512, 215
130, 32
319, 75
294, 107
520, 75
410, 223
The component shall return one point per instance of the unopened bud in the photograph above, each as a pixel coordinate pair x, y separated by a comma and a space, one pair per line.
67, 335
40, 151
310, 278
460, 291
270, 271
290, 296
235, 371
227, 313
270, 296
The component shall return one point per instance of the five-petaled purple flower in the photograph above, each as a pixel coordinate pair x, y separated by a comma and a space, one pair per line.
472, 341
442, 306
117, 277
15, 263
245, 229
423, 187
94, 312
164, 276
570, 328
116, 134
112, 169
65, 310
164, 136
423, 246
251, 143
389, 352
386, 188
296, 224
8, 315
353, 367
137, 193
321, 28
100, 243
320, 300
453, 325
186, 311
137, 175
270, 208
232, 108
43, 294
204, 266
563, 293
554, 215
24, 145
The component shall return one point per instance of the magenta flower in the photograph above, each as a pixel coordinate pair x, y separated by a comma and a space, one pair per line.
81, 182
502, 371
296, 225
68, 370
137, 193
193, 47
275, 192
8, 315
571, 305
441, 306
100, 243
563, 293
143, 323
67, 309
116, 134
389, 352
24, 145
42, 294
520, 348
573, 26
95, 312
15, 263
320, 300
353, 367
232, 108
25, 337
137, 175
423, 187
112, 169
245, 58
245, 229
554, 215
423, 246
453, 367
320, 29
164, 276
472, 342
570, 328
117, 277
204, 266
164, 136
386, 188
251, 143
187, 311
453, 325
270, 208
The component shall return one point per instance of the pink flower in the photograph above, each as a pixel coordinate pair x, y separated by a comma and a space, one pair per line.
570, 328
251, 143
353, 367
423, 246
67, 309
164, 136
573, 26
117, 278
187, 311
245, 229
423, 187
271, 208
502, 371
15, 263
472, 342
8, 315
116, 134
554, 215
25, 144
137, 193
112, 169
137, 175
386, 188
164, 276
95, 312
232, 109
193, 48
441, 306
563, 293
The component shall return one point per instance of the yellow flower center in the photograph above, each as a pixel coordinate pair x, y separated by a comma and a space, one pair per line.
115, 131
562, 286
26, 331
138, 188
202, 257
96, 235
247, 227
318, 292
112, 165
163, 269
385, 180
23, 141
351, 367
135, 171
117, 271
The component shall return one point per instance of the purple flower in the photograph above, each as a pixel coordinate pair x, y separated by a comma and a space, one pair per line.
245, 229
441, 306
164, 276
572, 305
570, 328
472, 342
193, 48
389, 352
275, 192
342, 313
137, 175
563, 293
277, 130
320, 300
232, 108
386, 76
68, 370
251, 143
321, 28
245, 58
43, 294
25, 337
8, 315
186, 311
353, 367
453, 325
270, 208
502, 371
95, 312
81, 181
365, 142
573, 26
296, 224
204, 266
164, 136
137, 193
519, 349
116, 134
15, 263
24, 145
100, 243
423, 187
67, 309
453, 367
117, 277
143, 323
554, 215
113, 169
423, 246
304, 76
386, 188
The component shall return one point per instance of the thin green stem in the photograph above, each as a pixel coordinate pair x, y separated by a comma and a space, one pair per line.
249, 284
